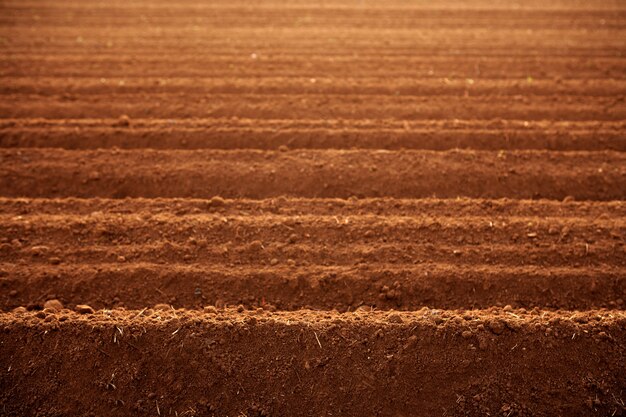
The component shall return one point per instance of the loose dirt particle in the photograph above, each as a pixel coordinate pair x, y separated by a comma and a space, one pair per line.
256, 245
496, 326
395, 318
39, 250
84, 309
467, 334
123, 121
55, 260
162, 307
54, 305
217, 202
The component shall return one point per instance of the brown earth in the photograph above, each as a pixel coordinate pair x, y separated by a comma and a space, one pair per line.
584, 175
426, 362
296, 253
312, 208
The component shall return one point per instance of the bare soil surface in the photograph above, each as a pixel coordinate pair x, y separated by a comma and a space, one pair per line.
599, 175
298, 253
200, 363
296, 208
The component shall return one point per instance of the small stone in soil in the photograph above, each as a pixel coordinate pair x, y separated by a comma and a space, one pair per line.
210, 310
123, 121
53, 305
394, 318
84, 309
496, 326
39, 250
216, 202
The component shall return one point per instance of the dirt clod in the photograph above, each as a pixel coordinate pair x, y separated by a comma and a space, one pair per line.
217, 202
497, 326
394, 318
122, 121
39, 250
84, 309
54, 305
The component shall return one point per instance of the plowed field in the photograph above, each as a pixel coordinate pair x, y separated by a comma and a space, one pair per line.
331, 208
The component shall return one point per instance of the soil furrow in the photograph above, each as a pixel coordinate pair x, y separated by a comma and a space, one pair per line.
502, 208
380, 286
363, 86
358, 253
175, 137
129, 65
306, 173
222, 133
304, 228
316, 106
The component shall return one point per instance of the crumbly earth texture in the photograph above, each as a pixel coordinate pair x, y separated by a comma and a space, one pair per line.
231, 362
312, 208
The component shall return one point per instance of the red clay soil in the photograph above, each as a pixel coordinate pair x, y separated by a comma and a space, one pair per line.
297, 253
597, 175
297, 208
225, 133
258, 363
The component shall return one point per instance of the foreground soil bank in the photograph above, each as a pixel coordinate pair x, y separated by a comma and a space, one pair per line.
236, 362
